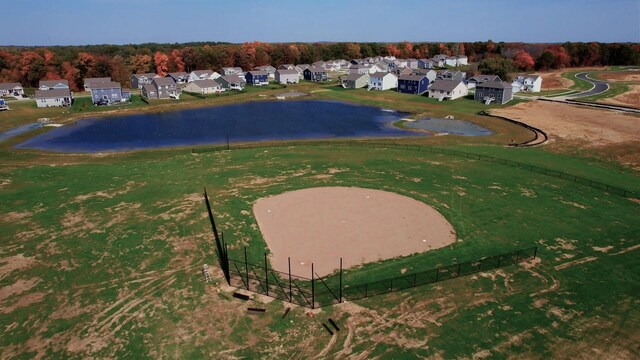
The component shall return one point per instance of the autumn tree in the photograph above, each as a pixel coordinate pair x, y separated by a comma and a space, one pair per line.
119, 71
393, 50
161, 60
72, 75
523, 60
140, 63
176, 63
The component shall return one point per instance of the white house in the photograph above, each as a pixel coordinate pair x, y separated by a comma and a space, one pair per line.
53, 98
226, 71
202, 75
203, 87
448, 89
8, 89
530, 83
456, 60
287, 76
375, 68
53, 84
358, 69
383, 81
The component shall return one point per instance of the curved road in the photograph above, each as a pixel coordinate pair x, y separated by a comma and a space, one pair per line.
598, 86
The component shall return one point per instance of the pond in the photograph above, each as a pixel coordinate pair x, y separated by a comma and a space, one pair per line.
450, 126
19, 130
247, 122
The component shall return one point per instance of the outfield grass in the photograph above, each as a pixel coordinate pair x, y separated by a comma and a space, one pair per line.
110, 249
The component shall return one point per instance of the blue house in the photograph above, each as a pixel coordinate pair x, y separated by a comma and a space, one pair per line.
257, 78
413, 84
107, 93
315, 74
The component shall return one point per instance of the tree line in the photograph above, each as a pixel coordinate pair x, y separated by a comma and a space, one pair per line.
28, 65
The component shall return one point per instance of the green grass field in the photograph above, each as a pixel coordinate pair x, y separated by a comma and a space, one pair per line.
101, 254
103, 257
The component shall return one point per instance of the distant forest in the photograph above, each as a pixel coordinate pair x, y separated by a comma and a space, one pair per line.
28, 65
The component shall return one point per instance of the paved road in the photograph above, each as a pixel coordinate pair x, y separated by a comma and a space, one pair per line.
598, 86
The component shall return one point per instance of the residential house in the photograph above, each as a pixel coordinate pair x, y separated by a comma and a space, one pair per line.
302, 68
179, 77
319, 64
359, 69
530, 83
499, 92
316, 74
107, 93
287, 76
161, 88
226, 71
456, 60
412, 63
451, 75
332, 65
57, 97
202, 75
269, 69
413, 84
478, 79
448, 90
257, 78
383, 81
430, 74
425, 64
354, 81
53, 84
401, 71
232, 82
203, 87
9, 89
139, 80
89, 81
286, 67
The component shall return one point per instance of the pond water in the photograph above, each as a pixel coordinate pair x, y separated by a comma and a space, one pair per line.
247, 122
451, 126
19, 130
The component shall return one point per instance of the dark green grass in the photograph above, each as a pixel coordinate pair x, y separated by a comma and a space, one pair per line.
139, 201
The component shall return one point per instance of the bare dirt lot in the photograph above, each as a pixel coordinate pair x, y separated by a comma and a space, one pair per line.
320, 225
596, 127
627, 75
629, 98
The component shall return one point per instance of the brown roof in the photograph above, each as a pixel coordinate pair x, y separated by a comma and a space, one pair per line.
258, 72
178, 74
55, 93
495, 85
206, 83
287, 72
444, 85
165, 81
354, 77
52, 83
380, 74
412, 77
9, 86
202, 72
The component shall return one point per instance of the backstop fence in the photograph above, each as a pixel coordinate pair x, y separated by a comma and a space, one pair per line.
316, 291
435, 150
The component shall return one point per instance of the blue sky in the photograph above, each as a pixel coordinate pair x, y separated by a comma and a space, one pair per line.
78, 22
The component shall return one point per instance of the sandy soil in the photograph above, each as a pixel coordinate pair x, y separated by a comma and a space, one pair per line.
629, 98
627, 75
320, 225
552, 80
597, 127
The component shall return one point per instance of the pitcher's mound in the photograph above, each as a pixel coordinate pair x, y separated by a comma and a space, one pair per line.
320, 225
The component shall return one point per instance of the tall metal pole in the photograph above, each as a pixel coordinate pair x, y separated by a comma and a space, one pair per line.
246, 266
266, 273
313, 289
290, 292
340, 279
